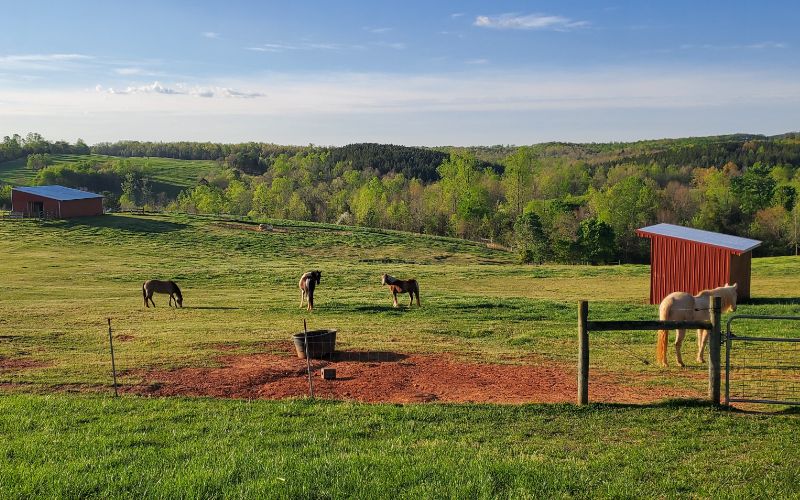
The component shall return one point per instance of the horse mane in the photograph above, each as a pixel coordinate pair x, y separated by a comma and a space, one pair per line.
177, 290
727, 293
390, 280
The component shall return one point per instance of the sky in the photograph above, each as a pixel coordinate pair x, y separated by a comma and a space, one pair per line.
427, 73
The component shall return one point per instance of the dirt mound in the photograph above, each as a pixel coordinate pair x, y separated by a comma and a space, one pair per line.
396, 378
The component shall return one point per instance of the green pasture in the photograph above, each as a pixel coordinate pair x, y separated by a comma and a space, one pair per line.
62, 279
169, 175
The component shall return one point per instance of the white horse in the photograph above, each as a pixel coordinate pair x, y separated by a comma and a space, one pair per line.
682, 306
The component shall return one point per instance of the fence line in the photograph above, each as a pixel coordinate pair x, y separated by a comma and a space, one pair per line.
714, 326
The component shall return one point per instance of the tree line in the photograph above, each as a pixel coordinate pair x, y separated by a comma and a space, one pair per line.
554, 202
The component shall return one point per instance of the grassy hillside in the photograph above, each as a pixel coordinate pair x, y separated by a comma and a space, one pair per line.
169, 175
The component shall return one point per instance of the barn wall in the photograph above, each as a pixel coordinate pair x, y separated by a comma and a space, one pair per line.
82, 208
70, 208
740, 273
684, 266
20, 201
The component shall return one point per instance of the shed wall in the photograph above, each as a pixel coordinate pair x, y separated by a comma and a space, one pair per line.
685, 266
740, 273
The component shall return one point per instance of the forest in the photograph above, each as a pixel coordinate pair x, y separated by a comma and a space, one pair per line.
553, 202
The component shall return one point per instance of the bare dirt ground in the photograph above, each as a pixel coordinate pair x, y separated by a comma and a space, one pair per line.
398, 378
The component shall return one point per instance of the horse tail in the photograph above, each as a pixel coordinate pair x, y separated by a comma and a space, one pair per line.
663, 335
416, 290
661, 347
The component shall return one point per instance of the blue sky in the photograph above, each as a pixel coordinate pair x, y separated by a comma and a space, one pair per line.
423, 73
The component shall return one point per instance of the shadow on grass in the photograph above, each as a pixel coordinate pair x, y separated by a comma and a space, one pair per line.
678, 404
768, 301
128, 224
374, 308
368, 356
214, 308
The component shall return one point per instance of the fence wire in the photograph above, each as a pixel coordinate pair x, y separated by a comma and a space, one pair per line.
763, 363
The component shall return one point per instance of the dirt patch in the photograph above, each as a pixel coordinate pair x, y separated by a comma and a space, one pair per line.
17, 364
124, 337
397, 378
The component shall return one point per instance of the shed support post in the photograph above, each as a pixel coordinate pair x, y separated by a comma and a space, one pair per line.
583, 353
714, 347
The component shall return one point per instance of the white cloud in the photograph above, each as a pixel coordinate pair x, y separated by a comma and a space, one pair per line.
751, 46
377, 31
476, 61
210, 34
529, 22
43, 62
278, 47
456, 15
179, 89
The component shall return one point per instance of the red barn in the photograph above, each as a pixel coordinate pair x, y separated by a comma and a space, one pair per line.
683, 259
55, 201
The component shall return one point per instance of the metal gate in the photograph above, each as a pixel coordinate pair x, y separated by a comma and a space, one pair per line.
762, 369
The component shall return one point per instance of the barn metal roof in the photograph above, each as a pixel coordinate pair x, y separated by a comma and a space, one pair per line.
59, 193
727, 241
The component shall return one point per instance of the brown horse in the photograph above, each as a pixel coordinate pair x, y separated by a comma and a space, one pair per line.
411, 287
156, 286
308, 282
682, 306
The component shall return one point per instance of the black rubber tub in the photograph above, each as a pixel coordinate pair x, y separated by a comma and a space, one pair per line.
321, 343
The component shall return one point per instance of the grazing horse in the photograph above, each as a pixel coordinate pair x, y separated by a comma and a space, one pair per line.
682, 306
308, 282
156, 286
411, 287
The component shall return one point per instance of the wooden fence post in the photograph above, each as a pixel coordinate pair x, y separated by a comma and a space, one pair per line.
714, 345
583, 353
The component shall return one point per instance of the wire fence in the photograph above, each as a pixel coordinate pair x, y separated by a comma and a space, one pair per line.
763, 360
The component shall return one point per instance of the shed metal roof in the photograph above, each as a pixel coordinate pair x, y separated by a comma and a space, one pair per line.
59, 193
727, 241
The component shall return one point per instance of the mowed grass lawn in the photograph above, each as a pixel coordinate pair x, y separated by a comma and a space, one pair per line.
79, 447
64, 278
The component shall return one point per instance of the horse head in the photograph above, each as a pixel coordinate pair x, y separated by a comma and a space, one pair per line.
317, 275
729, 297
385, 279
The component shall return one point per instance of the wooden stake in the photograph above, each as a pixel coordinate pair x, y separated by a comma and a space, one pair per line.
583, 353
308, 360
714, 344
113, 364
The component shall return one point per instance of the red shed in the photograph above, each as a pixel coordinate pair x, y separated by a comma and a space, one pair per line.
683, 259
55, 201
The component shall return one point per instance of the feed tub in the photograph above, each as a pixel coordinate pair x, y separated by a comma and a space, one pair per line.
321, 343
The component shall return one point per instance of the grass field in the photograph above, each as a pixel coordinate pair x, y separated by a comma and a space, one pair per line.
79, 447
169, 175
64, 278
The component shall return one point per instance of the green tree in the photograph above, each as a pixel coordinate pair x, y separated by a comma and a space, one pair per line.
518, 179
626, 206
597, 241
530, 242
754, 188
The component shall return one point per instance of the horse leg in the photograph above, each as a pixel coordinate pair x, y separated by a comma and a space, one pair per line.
171, 298
394, 298
310, 300
302, 297
678, 344
151, 300
702, 339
